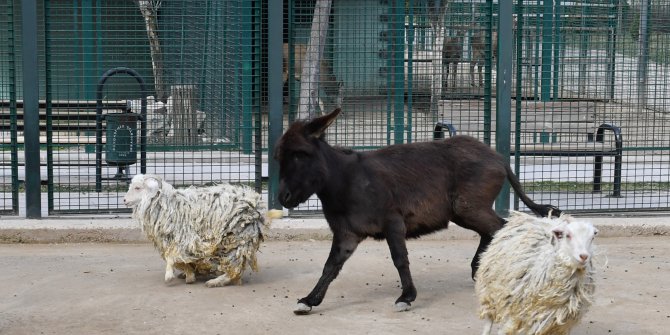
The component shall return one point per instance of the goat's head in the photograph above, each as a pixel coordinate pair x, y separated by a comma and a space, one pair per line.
142, 187
303, 168
575, 239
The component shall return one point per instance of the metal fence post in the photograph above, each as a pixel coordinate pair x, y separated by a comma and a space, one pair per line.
643, 56
519, 94
547, 44
275, 40
31, 109
398, 65
504, 97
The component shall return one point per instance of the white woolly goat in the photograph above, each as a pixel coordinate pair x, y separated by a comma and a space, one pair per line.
211, 231
537, 277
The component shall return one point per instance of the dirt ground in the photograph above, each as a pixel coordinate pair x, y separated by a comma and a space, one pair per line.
119, 289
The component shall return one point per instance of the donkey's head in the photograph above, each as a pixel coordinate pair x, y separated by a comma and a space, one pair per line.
303, 167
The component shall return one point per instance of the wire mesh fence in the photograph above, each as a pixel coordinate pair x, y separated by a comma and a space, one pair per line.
9, 184
200, 61
589, 128
589, 107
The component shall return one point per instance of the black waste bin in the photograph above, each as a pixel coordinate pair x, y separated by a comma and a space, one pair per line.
121, 139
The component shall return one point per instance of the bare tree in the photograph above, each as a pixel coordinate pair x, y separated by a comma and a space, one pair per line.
436, 17
149, 10
309, 84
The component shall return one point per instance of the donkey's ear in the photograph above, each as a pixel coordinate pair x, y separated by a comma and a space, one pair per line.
317, 127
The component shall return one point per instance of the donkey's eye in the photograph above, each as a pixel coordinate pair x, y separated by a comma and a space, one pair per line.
300, 155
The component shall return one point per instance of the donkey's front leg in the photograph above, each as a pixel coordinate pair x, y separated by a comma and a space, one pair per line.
395, 237
344, 244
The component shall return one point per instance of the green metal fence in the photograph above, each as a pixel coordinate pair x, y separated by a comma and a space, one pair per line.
201, 63
585, 102
575, 93
9, 186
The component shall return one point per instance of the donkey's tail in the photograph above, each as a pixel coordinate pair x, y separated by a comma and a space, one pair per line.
539, 209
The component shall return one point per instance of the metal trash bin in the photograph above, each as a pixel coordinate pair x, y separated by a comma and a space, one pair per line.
121, 148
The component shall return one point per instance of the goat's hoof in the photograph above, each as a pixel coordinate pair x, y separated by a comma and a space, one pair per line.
302, 309
169, 278
402, 306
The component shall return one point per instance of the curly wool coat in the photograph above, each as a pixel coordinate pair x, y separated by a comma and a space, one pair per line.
525, 283
213, 230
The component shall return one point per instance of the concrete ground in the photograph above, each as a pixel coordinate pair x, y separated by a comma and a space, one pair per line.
118, 288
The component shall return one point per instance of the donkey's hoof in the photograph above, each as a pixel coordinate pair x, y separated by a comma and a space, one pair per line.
402, 306
302, 309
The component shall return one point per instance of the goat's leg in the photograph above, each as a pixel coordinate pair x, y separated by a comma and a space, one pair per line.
488, 326
344, 245
169, 270
189, 274
395, 237
222, 280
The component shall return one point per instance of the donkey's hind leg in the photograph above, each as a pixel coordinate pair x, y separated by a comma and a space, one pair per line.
486, 223
395, 237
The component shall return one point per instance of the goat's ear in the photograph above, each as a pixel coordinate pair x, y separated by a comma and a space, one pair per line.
317, 127
152, 184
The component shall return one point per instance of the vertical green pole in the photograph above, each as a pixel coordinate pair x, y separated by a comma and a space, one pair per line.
547, 44
487, 71
536, 50
643, 53
398, 58
504, 96
12, 110
275, 95
519, 94
31, 108
48, 78
389, 70
248, 66
290, 79
558, 40
258, 115
88, 50
583, 53
614, 30
205, 53
410, 68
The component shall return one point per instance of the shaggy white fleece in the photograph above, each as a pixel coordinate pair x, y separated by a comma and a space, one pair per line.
529, 280
213, 231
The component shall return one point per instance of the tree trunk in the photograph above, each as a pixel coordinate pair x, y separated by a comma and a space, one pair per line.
149, 10
309, 83
437, 24
183, 115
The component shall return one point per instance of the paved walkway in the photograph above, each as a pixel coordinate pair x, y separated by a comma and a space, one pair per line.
118, 289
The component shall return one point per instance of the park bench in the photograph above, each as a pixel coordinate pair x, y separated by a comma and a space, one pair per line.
72, 122
552, 129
